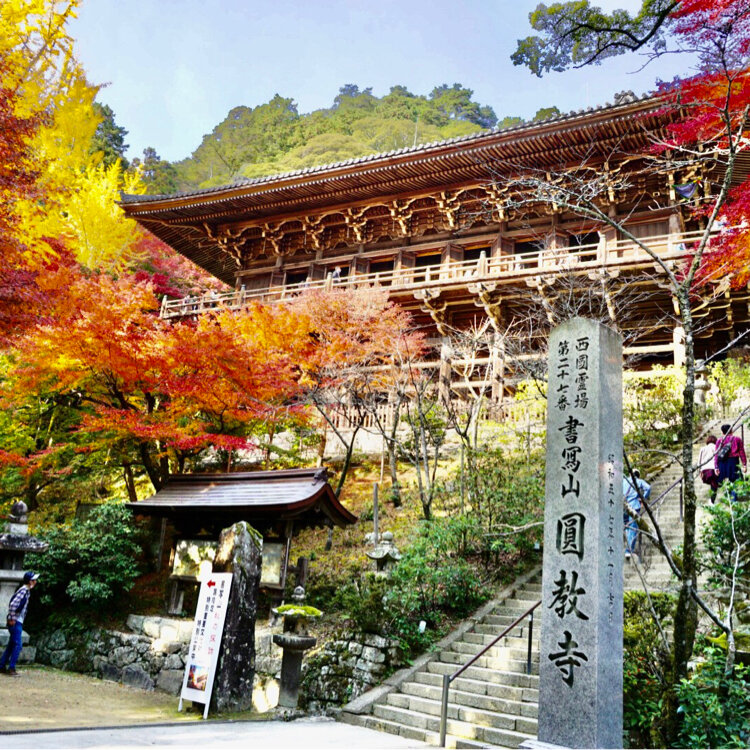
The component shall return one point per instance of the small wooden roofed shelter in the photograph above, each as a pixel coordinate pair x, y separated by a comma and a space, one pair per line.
275, 503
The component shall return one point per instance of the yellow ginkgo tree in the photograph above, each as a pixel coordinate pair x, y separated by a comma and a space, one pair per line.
78, 193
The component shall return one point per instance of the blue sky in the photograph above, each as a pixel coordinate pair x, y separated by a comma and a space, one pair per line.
174, 68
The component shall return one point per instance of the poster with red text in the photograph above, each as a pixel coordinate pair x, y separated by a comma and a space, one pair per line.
203, 654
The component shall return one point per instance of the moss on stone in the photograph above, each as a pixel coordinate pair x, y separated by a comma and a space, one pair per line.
297, 610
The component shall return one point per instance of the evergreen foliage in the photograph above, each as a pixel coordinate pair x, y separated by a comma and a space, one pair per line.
274, 137
91, 562
109, 137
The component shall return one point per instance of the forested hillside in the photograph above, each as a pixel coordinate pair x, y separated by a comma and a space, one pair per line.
274, 137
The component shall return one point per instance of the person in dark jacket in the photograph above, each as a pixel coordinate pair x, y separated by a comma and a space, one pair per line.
17, 608
730, 452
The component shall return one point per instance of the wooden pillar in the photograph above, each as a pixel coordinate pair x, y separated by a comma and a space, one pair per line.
678, 346
444, 374
497, 374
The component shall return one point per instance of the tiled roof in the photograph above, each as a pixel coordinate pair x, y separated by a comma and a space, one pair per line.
285, 495
623, 101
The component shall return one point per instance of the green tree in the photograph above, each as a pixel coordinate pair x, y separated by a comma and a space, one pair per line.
109, 138
159, 176
273, 137
575, 33
456, 102
544, 113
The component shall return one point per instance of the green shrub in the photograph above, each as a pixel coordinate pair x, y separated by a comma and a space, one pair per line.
432, 582
652, 416
364, 602
90, 562
505, 491
732, 376
645, 667
727, 529
431, 578
714, 706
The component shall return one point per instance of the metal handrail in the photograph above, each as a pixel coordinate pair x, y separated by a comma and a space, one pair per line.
447, 679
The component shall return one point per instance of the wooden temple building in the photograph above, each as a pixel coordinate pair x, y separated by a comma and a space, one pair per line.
443, 228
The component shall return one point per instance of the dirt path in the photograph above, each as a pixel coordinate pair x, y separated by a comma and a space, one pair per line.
43, 698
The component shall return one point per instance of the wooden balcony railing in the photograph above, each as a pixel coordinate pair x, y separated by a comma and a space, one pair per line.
668, 247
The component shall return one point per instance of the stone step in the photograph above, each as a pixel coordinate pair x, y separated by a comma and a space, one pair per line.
517, 651
502, 689
472, 699
492, 630
513, 610
455, 727
379, 724
521, 601
491, 675
502, 621
516, 640
483, 717
503, 662
505, 738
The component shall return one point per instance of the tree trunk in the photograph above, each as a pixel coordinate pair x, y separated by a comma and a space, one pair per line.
347, 461
686, 610
390, 442
151, 469
130, 482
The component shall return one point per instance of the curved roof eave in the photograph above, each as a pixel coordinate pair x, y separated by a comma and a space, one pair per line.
192, 494
373, 162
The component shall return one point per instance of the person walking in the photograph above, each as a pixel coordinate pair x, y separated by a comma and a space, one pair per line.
707, 466
17, 608
730, 452
632, 492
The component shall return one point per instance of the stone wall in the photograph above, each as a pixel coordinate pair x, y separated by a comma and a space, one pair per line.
150, 655
344, 668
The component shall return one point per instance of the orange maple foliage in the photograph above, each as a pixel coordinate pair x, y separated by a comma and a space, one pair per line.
359, 337
172, 389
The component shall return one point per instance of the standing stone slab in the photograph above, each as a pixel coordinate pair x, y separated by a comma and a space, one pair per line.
239, 553
580, 671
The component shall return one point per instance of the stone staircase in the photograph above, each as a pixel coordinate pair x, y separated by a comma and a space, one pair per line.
494, 702
651, 564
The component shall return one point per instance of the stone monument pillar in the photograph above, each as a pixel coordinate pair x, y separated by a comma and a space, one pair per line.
239, 552
580, 663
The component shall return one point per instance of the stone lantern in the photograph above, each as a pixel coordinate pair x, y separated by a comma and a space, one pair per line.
15, 542
385, 554
294, 641
702, 386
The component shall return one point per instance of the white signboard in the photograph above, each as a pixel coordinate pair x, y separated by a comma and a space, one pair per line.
200, 667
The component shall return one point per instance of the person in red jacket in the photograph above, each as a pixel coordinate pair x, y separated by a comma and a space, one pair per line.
730, 452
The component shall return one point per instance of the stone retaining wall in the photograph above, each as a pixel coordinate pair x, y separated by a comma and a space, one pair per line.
151, 655
344, 668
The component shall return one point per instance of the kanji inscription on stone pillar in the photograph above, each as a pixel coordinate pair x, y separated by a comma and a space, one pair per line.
580, 670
